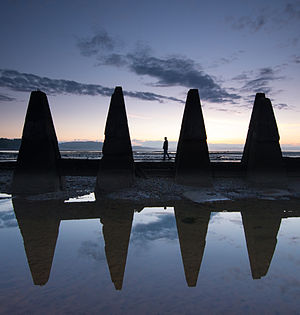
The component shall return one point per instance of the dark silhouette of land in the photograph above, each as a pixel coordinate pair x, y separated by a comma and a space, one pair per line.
80, 146
14, 144
10, 144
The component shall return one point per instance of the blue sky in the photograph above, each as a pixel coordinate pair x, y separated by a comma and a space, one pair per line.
78, 51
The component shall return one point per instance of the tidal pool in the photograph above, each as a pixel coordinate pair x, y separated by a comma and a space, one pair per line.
79, 257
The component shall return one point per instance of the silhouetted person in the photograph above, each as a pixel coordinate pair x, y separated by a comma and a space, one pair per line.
165, 147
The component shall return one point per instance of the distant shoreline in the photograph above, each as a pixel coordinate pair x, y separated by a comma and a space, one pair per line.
96, 146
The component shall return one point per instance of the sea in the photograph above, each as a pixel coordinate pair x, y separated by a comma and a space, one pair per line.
147, 156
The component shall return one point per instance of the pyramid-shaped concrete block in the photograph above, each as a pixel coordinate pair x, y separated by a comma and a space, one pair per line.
253, 119
262, 155
37, 169
116, 169
192, 158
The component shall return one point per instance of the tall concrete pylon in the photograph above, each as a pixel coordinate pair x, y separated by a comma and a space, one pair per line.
192, 224
261, 231
116, 169
262, 155
192, 158
37, 169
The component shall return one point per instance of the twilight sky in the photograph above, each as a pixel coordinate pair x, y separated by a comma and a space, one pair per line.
77, 51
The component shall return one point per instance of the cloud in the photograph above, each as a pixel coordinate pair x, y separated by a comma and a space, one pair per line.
259, 81
296, 59
176, 71
241, 77
292, 10
172, 71
8, 219
281, 106
226, 60
164, 228
246, 22
273, 18
25, 82
113, 60
168, 71
5, 98
101, 41
92, 250
148, 96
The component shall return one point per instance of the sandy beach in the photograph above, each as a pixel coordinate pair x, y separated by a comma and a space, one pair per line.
165, 189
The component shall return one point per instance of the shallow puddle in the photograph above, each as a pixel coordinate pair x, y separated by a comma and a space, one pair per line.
81, 257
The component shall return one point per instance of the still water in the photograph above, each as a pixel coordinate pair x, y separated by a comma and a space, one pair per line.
83, 258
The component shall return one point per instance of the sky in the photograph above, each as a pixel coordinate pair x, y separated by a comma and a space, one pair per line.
77, 52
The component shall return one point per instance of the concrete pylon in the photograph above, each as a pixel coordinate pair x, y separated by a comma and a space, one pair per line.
262, 155
192, 224
37, 169
116, 232
261, 237
116, 169
39, 232
192, 158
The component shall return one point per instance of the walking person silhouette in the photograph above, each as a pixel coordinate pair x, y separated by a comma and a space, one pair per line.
165, 147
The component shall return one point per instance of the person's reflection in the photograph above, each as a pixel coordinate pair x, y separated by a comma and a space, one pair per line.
39, 228
192, 223
117, 224
261, 237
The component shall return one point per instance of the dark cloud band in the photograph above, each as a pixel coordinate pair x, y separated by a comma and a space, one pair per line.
260, 81
100, 41
5, 98
25, 82
175, 71
170, 71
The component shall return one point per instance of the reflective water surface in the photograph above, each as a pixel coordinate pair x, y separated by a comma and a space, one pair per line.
84, 257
